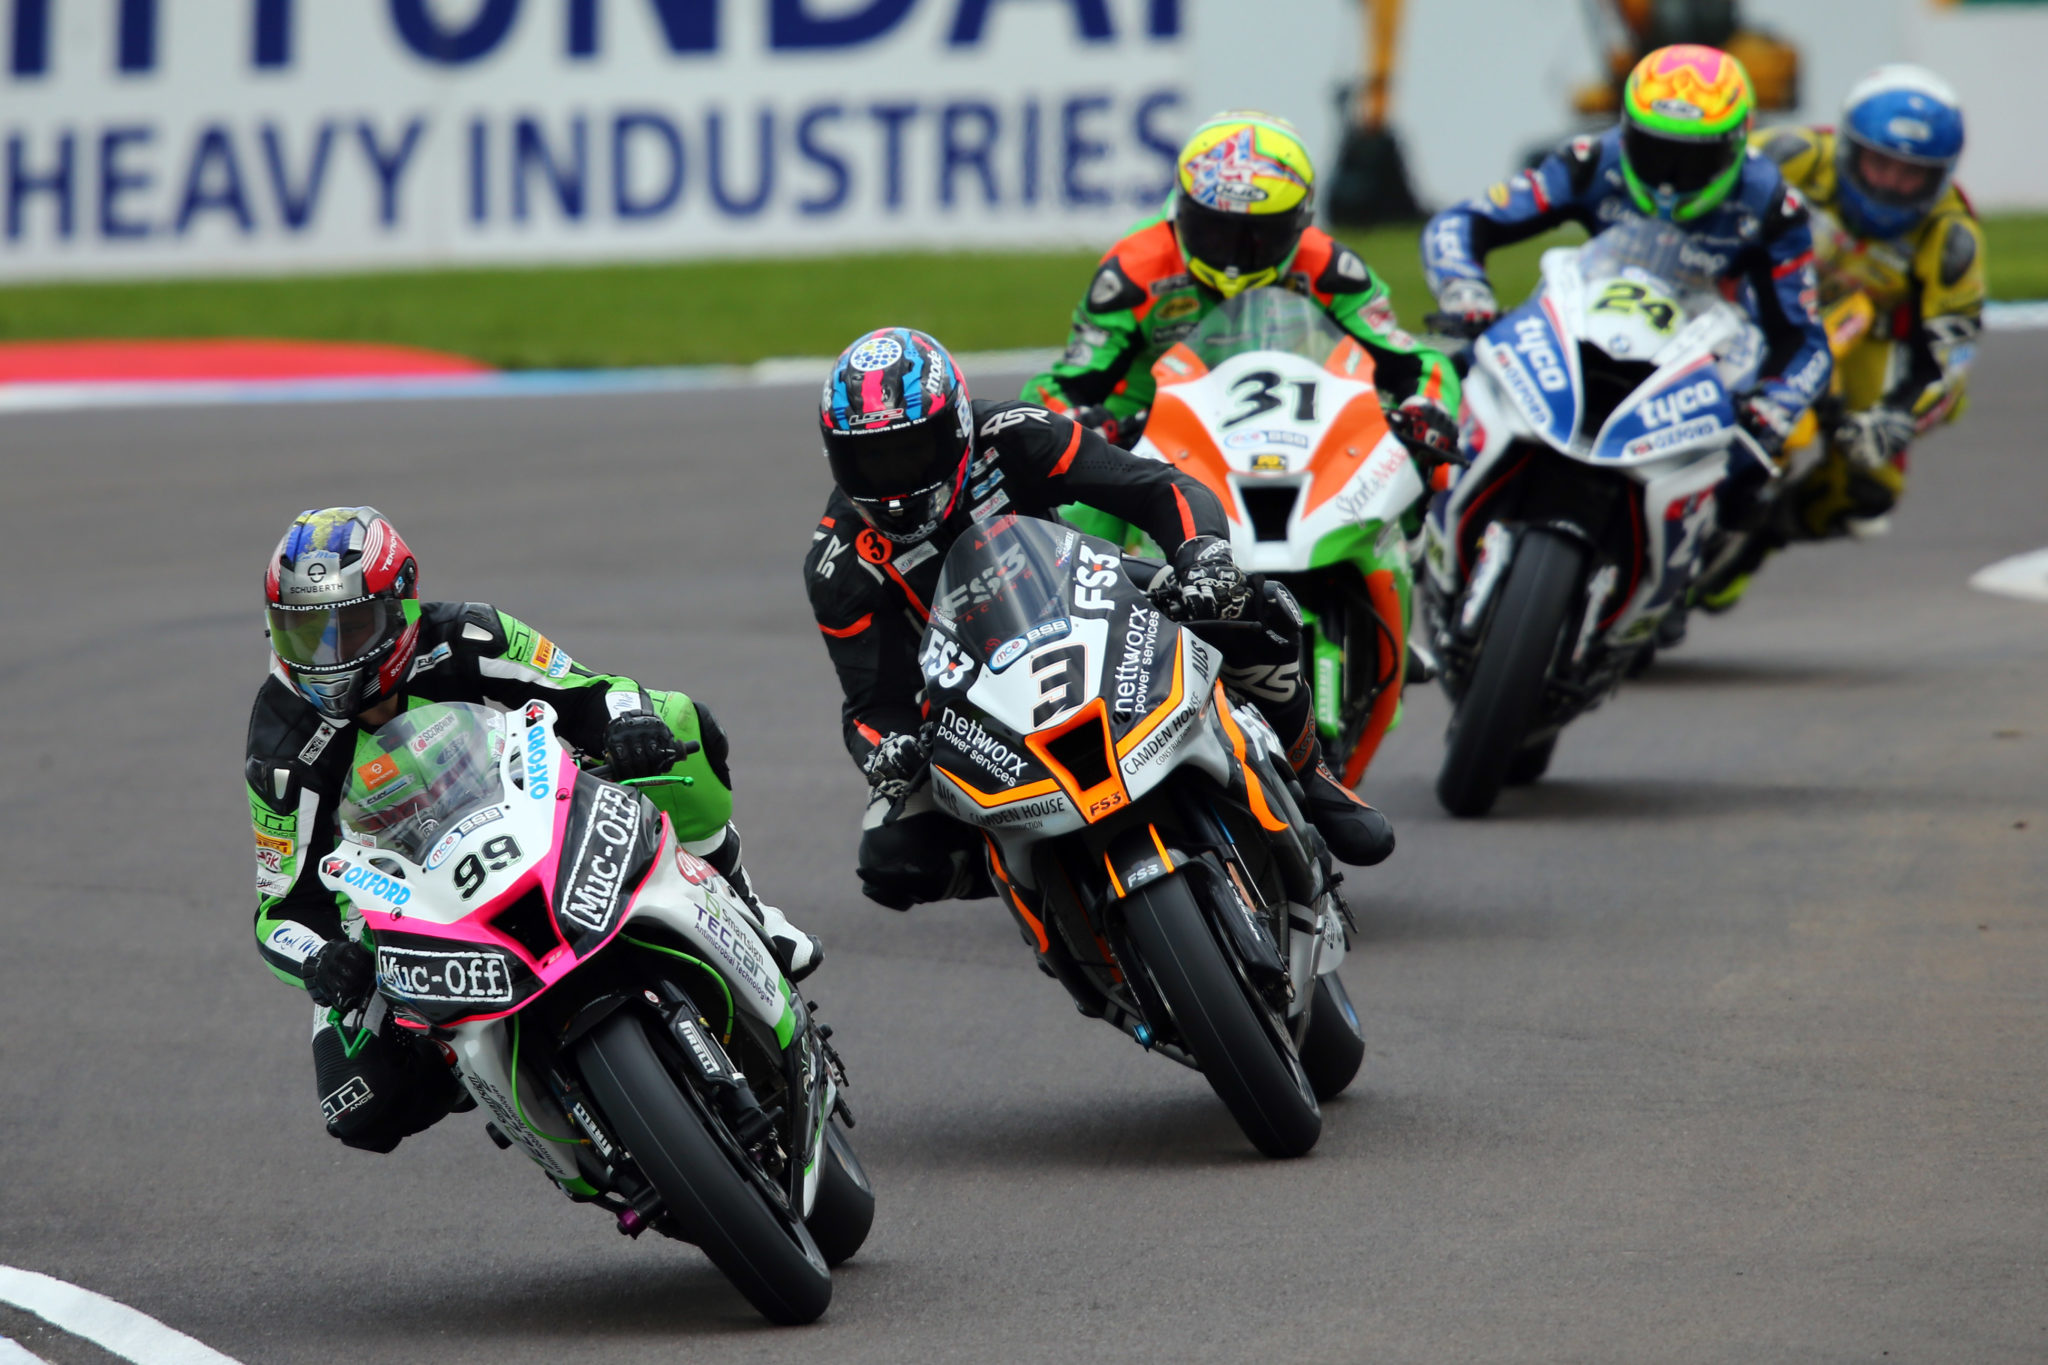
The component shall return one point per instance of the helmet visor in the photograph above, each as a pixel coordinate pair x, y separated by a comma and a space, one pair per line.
897, 465
1247, 242
1894, 180
1685, 165
319, 638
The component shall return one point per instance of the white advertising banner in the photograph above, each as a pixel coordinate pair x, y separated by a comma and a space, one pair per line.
217, 136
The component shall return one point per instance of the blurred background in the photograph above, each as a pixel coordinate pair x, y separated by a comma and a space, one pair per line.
577, 183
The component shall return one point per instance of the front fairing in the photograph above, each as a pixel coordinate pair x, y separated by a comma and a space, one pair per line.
1054, 723
514, 895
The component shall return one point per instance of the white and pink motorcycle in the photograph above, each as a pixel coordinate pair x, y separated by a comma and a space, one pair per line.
604, 995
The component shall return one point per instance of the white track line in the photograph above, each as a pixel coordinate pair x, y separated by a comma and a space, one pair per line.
2022, 576
132, 1335
12, 1353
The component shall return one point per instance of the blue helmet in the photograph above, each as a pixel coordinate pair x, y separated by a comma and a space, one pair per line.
1901, 132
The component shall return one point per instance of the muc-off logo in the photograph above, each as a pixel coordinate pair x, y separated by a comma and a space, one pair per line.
601, 859
367, 882
537, 766
1679, 404
449, 978
1533, 344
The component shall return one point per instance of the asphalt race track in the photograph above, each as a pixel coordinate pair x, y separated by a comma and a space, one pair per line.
1725, 1043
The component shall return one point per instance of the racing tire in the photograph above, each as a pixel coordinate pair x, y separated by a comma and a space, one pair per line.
1248, 1061
844, 1209
769, 1257
1530, 762
1334, 1046
1507, 682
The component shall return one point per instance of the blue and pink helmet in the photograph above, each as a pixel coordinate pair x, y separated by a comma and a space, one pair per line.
898, 431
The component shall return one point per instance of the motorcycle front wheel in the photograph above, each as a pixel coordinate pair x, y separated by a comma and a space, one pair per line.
1507, 681
1252, 1070
767, 1254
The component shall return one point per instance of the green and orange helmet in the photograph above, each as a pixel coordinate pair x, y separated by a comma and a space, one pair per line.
1245, 191
1685, 117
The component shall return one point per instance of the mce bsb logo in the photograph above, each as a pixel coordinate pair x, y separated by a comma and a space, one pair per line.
686, 27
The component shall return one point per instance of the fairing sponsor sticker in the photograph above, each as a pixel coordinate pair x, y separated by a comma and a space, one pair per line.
470, 824
1018, 646
459, 978
590, 895
366, 882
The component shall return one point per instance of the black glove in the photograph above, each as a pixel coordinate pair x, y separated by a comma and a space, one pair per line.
897, 767
1118, 431
640, 745
1430, 433
1766, 419
341, 975
1203, 583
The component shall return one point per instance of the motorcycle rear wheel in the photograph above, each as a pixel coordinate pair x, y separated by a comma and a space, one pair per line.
769, 1257
1252, 1069
1507, 682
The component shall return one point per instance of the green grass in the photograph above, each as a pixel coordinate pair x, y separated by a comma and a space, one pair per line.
720, 311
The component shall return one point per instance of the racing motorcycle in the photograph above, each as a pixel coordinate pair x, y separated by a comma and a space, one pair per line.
1273, 407
1600, 421
1145, 831
671, 1075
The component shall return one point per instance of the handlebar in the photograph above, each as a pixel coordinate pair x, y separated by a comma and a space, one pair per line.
683, 750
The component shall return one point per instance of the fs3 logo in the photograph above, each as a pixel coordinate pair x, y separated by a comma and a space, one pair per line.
945, 664
1092, 573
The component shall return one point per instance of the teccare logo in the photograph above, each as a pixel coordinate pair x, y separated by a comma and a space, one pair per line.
1679, 404
538, 769
1532, 343
367, 882
454, 978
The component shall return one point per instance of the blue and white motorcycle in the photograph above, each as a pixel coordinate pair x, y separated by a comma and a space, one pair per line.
1600, 421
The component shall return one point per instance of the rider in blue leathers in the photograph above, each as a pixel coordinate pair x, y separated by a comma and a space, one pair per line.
1755, 230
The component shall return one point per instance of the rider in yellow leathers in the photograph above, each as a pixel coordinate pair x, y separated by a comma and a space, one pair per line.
1890, 225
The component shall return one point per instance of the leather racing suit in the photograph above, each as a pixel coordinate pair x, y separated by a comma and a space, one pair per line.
1927, 291
871, 598
297, 770
1143, 300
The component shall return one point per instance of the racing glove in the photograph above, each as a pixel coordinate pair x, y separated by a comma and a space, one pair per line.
1876, 437
897, 767
1769, 420
1203, 583
1465, 308
640, 744
1430, 433
341, 975
1118, 431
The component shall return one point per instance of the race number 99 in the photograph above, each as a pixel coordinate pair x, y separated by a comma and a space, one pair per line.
496, 854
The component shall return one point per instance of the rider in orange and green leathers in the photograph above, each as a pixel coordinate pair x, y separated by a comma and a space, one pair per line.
1241, 216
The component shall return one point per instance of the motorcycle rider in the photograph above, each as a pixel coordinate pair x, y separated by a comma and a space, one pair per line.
1890, 223
1680, 153
915, 462
1241, 216
351, 646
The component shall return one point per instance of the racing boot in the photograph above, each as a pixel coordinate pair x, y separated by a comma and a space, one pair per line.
796, 952
1356, 833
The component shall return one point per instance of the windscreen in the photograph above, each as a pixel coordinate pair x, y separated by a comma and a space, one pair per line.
1266, 320
1658, 260
433, 765
1006, 578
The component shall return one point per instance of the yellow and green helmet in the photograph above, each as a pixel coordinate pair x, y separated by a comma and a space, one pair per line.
1685, 116
1246, 189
